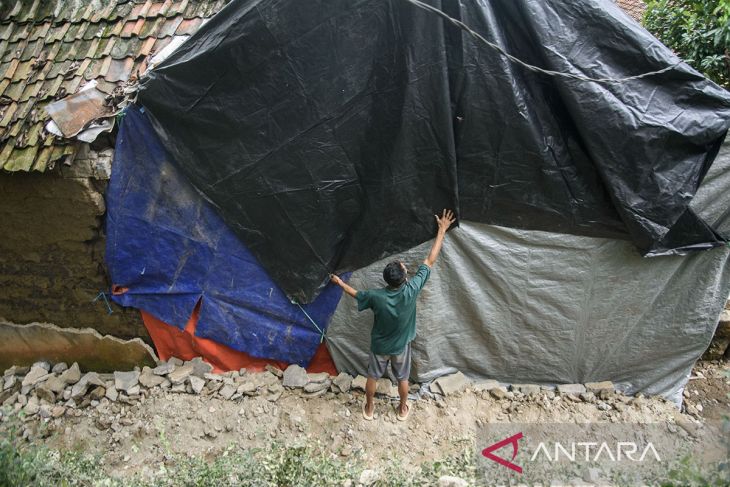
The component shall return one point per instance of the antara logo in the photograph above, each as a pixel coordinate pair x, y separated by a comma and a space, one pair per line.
576, 451
593, 452
487, 452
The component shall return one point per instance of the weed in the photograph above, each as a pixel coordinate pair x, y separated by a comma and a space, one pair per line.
24, 464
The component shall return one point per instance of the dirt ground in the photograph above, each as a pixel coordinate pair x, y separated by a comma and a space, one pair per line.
139, 439
709, 387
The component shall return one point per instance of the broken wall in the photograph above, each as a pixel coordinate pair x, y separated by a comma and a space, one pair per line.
52, 248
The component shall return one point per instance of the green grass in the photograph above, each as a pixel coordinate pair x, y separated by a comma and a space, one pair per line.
25, 464
689, 474
22, 464
273, 466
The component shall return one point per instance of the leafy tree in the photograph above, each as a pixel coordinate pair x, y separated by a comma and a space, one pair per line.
697, 30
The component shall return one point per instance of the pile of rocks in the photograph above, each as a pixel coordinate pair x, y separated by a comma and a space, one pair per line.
49, 391
588, 392
603, 395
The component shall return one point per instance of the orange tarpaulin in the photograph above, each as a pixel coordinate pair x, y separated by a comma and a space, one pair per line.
172, 342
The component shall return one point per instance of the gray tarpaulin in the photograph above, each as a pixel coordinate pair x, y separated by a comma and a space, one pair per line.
529, 306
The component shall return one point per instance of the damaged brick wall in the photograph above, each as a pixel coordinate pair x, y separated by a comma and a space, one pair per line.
52, 248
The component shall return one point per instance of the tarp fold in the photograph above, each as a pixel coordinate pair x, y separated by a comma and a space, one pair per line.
327, 133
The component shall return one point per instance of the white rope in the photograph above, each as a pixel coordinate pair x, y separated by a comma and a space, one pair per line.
530, 67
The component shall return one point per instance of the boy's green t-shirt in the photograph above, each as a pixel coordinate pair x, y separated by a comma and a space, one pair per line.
395, 313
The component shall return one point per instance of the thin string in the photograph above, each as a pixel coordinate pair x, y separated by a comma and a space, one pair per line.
106, 301
321, 332
530, 67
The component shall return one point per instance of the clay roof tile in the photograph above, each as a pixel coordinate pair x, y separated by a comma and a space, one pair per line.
50, 48
635, 8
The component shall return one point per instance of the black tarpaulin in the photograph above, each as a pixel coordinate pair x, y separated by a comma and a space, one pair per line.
328, 132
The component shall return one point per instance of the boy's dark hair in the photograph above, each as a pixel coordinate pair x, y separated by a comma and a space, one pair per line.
394, 274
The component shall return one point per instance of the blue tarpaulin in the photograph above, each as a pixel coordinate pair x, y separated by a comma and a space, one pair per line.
167, 245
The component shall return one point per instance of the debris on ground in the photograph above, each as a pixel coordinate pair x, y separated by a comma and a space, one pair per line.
137, 419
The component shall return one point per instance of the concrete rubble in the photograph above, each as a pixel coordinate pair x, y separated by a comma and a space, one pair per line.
358, 383
126, 381
571, 389
526, 389
449, 384
295, 376
46, 392
598, 387
343, 382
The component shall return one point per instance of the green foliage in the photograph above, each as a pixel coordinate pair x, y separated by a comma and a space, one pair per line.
461, 465
690, 474
22, 464
17, 467
280, 465
697, 30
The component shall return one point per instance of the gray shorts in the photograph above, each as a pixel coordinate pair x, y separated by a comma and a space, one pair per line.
399, 364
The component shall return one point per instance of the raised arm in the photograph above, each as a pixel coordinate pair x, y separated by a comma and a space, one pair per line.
444, 222
345, 287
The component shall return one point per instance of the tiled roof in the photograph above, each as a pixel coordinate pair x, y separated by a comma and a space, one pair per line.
635, 8
50, 48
